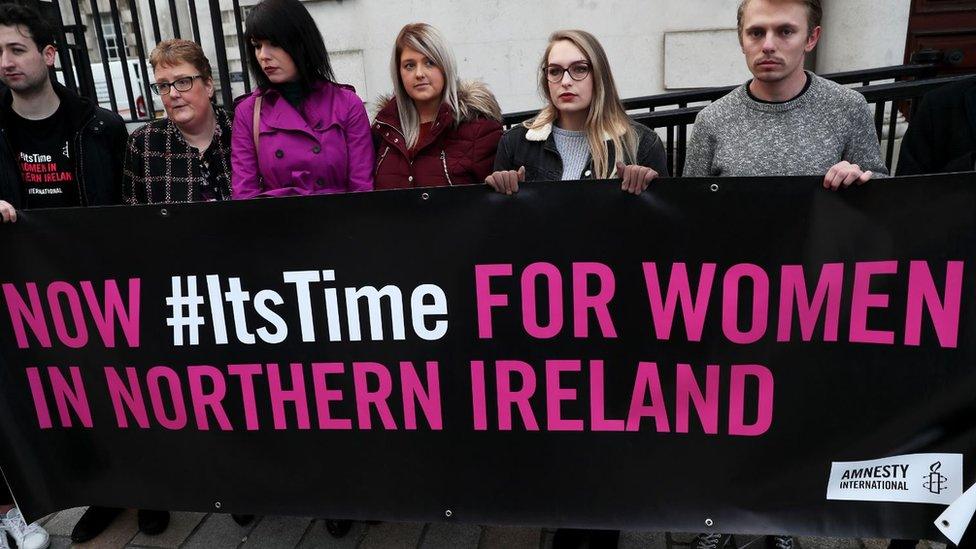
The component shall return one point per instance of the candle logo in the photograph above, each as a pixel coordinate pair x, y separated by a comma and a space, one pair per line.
936, 482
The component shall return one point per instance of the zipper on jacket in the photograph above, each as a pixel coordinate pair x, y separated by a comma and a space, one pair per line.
80, 163
395, 130
444, 163
5, 144
380, 161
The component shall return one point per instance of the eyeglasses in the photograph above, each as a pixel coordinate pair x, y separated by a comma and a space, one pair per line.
577, 71
181, 84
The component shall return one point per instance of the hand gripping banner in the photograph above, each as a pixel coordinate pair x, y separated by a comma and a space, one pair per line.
751, 356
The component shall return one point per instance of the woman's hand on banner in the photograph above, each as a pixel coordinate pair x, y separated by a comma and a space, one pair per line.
7, 212
506, 181
843, 174
634, 178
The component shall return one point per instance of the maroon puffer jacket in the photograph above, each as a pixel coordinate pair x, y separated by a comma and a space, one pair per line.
448, 154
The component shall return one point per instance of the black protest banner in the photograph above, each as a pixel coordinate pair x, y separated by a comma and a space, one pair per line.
761, 353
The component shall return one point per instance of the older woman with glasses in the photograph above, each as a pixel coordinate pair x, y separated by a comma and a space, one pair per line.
184, 157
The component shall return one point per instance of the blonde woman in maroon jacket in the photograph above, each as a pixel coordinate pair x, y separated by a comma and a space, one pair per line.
435, 130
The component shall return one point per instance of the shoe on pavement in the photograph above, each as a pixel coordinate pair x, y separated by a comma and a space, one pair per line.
153, 523
568, 538
242, 520
779, 542
338, 528
93, 522
26, 536
709, 541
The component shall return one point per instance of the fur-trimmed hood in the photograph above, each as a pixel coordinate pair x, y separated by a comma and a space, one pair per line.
474, 97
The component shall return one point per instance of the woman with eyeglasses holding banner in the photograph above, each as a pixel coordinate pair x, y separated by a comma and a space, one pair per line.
184, 157
300, 132
583, 132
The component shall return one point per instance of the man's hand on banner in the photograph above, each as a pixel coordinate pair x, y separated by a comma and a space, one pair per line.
843, 174
7, 212
506, 181
634, 178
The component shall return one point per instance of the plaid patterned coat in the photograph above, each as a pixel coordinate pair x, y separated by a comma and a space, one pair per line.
161, 168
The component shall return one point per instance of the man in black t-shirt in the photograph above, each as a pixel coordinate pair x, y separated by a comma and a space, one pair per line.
43, 154
57, 149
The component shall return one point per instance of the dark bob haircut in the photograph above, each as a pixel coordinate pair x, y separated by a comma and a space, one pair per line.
288, 25
15, 15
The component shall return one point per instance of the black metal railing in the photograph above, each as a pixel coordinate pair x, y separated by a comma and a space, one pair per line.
886, 100
129, 51
681, 99
675, 112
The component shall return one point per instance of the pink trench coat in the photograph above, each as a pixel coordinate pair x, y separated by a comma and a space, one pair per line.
328, 150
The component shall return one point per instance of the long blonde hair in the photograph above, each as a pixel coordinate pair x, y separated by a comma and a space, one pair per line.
426, 40
607, 120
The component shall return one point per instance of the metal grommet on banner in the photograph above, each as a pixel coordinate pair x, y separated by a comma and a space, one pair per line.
713, 187
709, 522
164, 212
216, 505
425, 196
448, 513
945, 523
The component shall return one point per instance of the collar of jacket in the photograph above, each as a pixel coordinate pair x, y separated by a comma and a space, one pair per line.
279, 114
390, 116
473, 96
542, 133
77, 108
222, 125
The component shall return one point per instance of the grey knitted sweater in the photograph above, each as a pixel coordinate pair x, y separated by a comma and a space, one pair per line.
574, 150
739, 136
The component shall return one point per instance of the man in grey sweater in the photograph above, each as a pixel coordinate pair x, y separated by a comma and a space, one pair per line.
785, 121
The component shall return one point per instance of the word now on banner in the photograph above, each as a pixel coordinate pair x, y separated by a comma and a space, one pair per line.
758, 352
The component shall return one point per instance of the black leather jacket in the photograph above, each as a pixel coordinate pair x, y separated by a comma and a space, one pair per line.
942, 135
537, 152
98, 143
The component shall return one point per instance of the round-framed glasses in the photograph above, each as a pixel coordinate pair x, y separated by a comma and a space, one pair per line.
577, 71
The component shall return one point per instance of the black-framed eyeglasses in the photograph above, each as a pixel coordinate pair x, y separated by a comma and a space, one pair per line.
577, 71
181, 84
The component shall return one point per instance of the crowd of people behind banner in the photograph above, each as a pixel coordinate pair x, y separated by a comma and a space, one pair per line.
302, 133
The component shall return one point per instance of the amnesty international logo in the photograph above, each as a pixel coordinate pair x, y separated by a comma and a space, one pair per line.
909, 478
935, 481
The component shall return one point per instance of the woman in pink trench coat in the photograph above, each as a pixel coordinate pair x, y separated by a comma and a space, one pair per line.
313, 135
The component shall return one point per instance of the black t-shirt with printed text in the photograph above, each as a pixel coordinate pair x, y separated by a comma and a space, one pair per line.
45, 159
